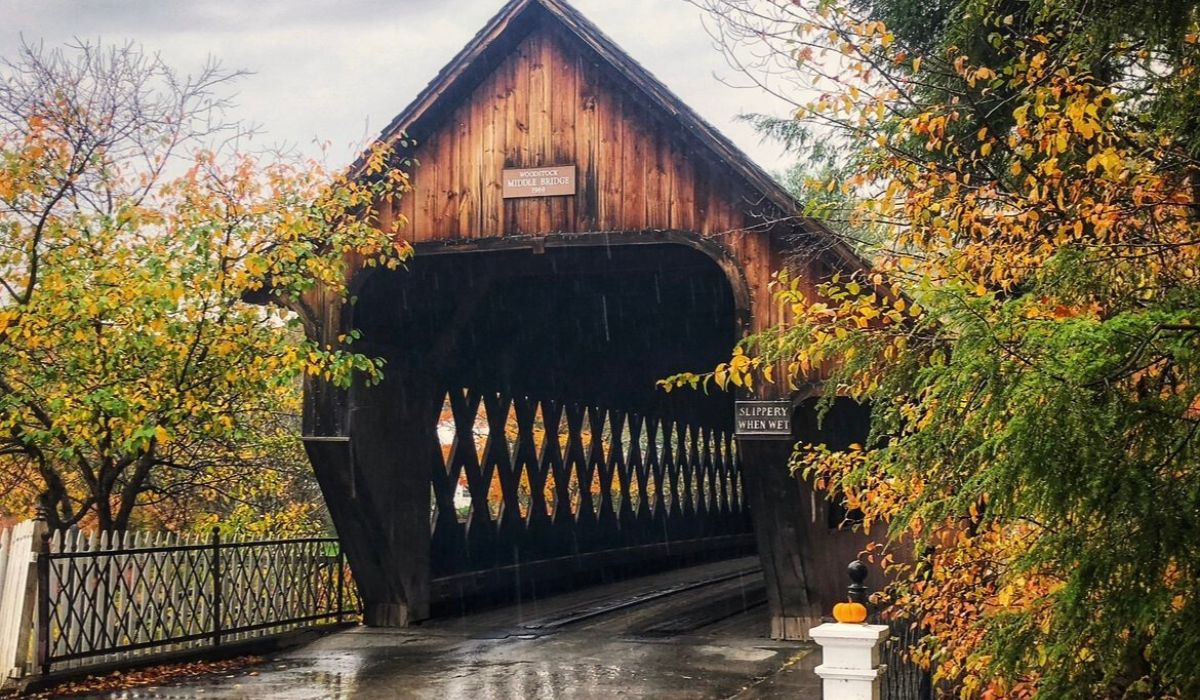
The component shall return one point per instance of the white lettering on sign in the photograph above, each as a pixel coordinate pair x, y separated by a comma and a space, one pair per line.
763, 419
539, 182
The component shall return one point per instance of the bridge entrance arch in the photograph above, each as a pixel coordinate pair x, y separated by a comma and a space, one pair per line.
518, 439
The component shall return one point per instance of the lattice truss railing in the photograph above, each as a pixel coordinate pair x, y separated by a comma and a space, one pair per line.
113, 596
519, 478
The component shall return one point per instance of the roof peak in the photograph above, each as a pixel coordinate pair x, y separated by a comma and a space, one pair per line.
505, 29
584, 30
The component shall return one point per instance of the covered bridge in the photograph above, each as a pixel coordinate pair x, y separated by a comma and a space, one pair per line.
579, 234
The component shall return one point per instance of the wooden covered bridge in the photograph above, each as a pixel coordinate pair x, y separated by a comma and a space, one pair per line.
579, 234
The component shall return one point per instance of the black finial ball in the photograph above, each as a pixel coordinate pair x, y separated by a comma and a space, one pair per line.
857, 590
857, 571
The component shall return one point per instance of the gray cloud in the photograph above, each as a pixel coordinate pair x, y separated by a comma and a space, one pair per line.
340, 70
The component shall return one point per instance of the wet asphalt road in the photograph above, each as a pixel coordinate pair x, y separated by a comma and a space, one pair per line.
617, 641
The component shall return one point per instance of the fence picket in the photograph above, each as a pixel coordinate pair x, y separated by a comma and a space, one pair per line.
8, 540
5, 548
18, 596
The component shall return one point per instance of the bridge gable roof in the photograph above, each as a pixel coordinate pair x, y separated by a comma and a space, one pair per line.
510, 25
494, 44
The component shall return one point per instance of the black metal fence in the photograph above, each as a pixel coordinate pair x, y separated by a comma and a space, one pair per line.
116, 596
904, 679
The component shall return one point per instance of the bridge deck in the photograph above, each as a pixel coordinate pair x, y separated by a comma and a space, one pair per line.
690, 633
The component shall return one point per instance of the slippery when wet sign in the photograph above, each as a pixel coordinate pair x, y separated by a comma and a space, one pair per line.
763, 419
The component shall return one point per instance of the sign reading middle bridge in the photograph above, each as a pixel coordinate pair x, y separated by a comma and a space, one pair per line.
551, 181
763, 419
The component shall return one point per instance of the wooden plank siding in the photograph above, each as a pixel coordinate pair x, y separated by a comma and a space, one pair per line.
550, 103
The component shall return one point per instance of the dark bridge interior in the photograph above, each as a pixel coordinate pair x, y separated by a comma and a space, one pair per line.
553, 457
600, 324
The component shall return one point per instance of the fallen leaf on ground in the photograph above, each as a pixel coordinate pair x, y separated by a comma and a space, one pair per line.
149, 676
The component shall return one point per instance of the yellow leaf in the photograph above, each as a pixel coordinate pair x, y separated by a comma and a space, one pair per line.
1020, 114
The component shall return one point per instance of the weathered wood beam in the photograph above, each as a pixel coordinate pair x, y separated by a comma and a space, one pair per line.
778, 511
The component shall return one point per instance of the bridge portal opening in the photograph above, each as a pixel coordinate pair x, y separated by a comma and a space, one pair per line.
549, 454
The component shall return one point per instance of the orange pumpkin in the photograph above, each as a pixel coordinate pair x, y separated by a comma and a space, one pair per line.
851, 613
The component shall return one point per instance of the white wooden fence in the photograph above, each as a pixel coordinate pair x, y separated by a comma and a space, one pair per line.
18, 596
79, 599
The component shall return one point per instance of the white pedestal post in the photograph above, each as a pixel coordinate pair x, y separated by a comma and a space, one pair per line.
850, 667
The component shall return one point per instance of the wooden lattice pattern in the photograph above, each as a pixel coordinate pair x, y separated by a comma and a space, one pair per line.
116, 596
523, 479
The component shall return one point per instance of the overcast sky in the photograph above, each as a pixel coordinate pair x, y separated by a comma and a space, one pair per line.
341, 69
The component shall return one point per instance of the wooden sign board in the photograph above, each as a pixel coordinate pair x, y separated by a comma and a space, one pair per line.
553, 181
763, 420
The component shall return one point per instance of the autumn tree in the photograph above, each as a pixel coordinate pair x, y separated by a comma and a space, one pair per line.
134, 376
1027, 331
